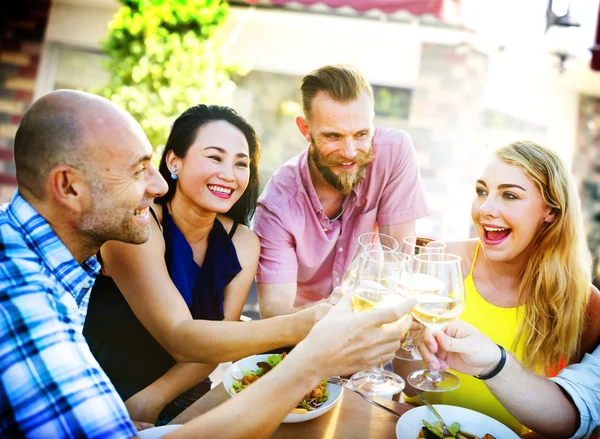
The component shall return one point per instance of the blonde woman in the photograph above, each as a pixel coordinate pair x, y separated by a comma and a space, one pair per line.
528, 280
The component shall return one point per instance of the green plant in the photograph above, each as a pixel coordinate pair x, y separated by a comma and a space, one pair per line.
164, 57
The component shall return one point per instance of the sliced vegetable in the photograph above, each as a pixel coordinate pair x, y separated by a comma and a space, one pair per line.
432, 429
435, 431
264, 366
427, 434
454, 428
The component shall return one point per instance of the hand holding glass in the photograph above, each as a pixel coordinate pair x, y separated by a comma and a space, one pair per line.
373, 287
438, 284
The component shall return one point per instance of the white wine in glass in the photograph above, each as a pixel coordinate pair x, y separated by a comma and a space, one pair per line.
436, 311
369, 295
412, 246
373, 288
440, 292
367, 241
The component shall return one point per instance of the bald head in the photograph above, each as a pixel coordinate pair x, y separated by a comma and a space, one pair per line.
66, 127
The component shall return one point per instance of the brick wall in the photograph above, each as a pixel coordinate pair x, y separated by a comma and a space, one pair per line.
22, 26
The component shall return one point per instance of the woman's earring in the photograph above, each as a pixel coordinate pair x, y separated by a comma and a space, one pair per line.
174, 174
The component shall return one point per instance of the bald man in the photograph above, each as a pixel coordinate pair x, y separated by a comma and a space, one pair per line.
84, 177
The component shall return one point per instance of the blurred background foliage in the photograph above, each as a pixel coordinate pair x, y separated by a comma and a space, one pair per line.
164, 56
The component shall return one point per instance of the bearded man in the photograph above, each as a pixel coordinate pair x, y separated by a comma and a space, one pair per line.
351, 180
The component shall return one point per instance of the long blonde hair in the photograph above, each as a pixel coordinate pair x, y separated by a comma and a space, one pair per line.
555, 284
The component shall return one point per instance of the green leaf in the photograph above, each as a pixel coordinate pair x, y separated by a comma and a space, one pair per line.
274, 359
163, 57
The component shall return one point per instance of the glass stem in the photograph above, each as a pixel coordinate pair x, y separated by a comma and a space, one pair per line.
377, 377
407, 344
434, 376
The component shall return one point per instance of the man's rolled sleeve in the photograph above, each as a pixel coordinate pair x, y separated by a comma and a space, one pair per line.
403, 199
582, 382
278, 262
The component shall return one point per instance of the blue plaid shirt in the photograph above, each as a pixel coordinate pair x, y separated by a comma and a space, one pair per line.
50, 384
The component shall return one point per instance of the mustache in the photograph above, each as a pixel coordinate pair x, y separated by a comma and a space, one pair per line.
361, 158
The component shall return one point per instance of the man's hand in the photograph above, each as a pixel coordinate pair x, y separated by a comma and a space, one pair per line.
461, 347
307, 316
345, 341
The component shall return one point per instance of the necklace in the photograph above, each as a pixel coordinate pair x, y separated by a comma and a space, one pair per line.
346, 204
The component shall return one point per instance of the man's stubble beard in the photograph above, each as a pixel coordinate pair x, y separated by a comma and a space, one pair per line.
347, 180
111, 221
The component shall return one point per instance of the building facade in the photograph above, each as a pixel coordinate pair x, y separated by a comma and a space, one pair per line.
457, 90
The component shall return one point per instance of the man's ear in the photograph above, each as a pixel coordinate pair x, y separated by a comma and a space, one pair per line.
68, 187
303, 127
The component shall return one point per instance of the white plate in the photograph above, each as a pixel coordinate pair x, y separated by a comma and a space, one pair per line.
470, 421
157, 432
236, 370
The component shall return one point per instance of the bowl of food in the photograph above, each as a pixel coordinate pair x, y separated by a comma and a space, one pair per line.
245, 372
420, 421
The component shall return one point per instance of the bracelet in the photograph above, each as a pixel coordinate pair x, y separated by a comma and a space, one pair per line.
497, 369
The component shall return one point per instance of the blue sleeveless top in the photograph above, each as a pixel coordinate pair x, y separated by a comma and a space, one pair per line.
201, 287
127, 352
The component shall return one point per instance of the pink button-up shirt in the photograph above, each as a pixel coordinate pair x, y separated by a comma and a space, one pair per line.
298, 241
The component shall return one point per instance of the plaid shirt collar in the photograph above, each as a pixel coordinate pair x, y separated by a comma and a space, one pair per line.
76, 279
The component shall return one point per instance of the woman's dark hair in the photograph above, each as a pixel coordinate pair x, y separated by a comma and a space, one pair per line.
182, 136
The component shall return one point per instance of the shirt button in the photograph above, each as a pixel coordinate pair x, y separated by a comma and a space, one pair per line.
86, 285
325, 230
337, 279
341, 249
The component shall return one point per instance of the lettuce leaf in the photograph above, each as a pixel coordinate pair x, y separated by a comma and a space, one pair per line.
274, 359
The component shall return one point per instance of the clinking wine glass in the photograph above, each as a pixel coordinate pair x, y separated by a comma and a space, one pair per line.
440, 292
415, 245
367, 241
373, 287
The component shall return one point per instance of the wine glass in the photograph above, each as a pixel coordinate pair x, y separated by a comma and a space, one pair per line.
438, 285
414, 245
367, 241
373, 287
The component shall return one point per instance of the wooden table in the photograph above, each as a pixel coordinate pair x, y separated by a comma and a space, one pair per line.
352, 417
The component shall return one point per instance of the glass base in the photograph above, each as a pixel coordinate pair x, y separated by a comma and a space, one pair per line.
427, 381
367, 382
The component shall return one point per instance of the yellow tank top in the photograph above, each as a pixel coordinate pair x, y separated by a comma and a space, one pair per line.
501, 325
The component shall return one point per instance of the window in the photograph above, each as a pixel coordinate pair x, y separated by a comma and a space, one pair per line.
80, 69
70, 67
